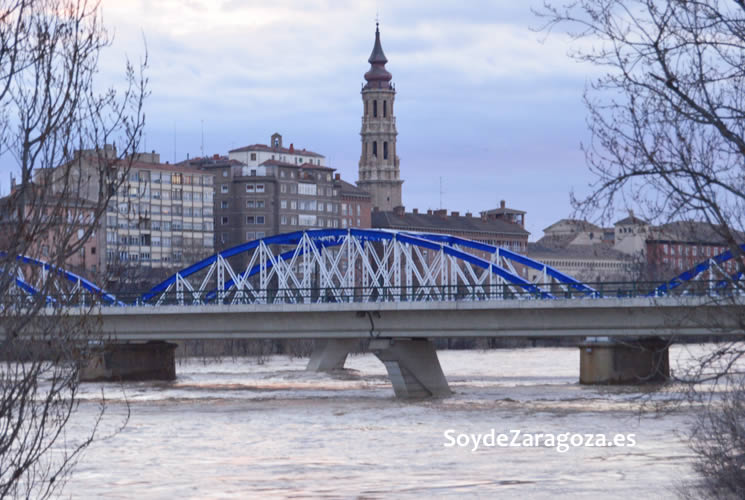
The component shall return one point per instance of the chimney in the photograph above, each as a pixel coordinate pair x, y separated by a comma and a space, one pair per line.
484, 217
501, 204
455, 214
399, 210
429, 211
442, 213
292, 148
469, 214
337, 177
215, 156
415, 211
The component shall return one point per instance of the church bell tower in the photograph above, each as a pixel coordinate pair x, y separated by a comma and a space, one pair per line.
378, 168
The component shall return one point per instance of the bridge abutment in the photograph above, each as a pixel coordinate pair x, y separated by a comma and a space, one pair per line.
127, 362
330, 354
611, 361
412, 366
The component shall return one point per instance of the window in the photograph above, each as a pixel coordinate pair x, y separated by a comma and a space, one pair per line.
320, 206
187, 195
375, 108
166, 195
206, 180
250, 188
253, 156
375, 148
177, 194
188, 212
224, 173
259, 219
259, 188
344, 223
293, 204
307, 189
283, 204
223, 188
224, 204
155, 177
250, 235
329, 207
385, 150
283, 188
358, 212
385, 109
224, 221
250, 203
293, 221
260, 234
283, 220
260, 203
250, 219
176, 179
207, 211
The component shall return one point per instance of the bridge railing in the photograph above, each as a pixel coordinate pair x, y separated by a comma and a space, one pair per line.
434, 293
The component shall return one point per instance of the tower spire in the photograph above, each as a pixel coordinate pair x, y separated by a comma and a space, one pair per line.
377, 76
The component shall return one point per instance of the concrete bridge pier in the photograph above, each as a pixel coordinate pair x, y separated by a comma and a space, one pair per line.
128, 362
412, 366
330, 354
604, 360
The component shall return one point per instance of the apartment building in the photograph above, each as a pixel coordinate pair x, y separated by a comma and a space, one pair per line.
161, 216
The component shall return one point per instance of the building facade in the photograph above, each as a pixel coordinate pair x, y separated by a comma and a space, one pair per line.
379, 172
162, 216
275, 196
492, 231
355, 205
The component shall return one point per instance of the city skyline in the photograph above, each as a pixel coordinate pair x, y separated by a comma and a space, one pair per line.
483, 102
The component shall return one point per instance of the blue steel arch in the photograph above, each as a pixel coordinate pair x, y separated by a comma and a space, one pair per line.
691, 274
324, 238
67, 275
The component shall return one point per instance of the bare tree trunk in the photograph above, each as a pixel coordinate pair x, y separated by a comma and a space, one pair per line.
50, 106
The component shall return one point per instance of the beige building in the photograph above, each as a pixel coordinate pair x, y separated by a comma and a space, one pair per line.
379, 172
161, 216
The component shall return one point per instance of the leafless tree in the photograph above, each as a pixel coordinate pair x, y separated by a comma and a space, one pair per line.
667, 122
56, 124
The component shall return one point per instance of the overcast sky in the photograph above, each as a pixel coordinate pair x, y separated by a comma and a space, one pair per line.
483, 103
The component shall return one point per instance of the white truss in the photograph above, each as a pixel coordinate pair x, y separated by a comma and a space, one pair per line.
347, 267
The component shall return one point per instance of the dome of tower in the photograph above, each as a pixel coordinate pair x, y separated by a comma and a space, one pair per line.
377, 76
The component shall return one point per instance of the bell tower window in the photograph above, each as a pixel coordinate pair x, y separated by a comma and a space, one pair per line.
375, 149
375, 108
385, 148
385, 109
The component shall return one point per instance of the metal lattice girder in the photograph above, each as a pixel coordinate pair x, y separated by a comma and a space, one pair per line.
711, 266
354, 264
503, 253
71, 285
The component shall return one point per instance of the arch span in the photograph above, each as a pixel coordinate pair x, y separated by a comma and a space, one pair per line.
358, 265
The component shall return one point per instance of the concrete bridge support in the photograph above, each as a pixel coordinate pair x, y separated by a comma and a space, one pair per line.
330, 354
413, 367
126, 362
609, 361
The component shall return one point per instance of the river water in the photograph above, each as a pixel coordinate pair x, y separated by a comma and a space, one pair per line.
243, 429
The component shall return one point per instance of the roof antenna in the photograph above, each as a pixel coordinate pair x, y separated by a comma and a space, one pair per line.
202, 138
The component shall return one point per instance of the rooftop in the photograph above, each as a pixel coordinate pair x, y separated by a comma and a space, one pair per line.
277, 149
439, 222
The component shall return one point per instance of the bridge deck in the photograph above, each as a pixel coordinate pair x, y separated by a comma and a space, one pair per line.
489, 318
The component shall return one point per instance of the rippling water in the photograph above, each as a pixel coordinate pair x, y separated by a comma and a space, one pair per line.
239, 429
